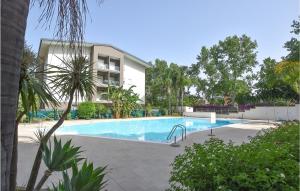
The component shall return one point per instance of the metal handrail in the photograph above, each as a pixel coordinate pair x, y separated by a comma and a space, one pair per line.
183, 131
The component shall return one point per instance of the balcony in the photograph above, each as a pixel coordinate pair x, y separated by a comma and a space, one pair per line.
114, 83
101, 66
101, 82
114, 68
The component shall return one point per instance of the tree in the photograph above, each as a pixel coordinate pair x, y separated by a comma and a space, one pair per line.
166, 84
32, 92
289, 68
70, 23
293, 45
207, 62
124, 101
13, 25
226, 63
73, 75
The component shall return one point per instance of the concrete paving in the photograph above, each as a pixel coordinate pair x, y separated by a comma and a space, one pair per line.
132, 166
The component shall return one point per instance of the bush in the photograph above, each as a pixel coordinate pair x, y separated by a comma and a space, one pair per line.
163, 111
86, 110
100, 109
148, 110
269, 162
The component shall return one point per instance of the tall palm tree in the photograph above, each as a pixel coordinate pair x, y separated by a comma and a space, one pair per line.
69, 25
13, 25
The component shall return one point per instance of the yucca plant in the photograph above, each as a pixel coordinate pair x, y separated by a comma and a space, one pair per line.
58, 157
72, 76
85, 179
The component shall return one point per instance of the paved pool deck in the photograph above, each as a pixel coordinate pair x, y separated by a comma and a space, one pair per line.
132, 165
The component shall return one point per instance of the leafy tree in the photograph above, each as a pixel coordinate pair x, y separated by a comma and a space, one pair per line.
281, 80
227, 62
289, 72
293, 45
289, 68
166, 84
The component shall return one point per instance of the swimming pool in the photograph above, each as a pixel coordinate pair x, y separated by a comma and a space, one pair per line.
153, 130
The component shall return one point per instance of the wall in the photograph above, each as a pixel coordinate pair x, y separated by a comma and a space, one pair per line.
134, 74
55, 56
260, 113
198, 114
185, 109
268, 113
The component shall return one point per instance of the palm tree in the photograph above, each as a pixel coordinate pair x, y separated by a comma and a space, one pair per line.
183, 81
72, 76
130, 101
69, 26
32, 92
13, 25
115, 94
124, 101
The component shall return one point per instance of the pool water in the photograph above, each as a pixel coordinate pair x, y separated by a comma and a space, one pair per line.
153, 130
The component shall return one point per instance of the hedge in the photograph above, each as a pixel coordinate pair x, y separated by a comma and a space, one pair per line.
269, 162
86, 110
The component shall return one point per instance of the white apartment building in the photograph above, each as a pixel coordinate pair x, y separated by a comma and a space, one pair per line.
112, 65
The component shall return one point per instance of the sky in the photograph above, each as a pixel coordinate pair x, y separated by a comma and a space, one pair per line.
175, 30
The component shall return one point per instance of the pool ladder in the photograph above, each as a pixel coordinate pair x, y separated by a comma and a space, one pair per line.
183, 133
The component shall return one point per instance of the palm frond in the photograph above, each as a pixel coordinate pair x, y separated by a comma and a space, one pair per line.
73, 73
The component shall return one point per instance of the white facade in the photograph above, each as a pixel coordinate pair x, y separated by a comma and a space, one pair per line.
117, 68
134, 75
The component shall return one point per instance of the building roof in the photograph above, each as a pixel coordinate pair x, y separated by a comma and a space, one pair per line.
45, 41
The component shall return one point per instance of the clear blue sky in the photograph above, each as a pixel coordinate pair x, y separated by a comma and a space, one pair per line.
175, 30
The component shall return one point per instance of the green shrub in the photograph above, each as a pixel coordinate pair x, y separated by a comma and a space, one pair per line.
86, 110
148, 110
163, 111
269, 162
100, 109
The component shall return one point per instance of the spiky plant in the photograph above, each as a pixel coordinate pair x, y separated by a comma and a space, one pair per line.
58, 157
71, 76
85, 179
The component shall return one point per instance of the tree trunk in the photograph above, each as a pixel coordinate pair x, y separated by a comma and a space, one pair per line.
46, 175
13, 25
39, 154
181, 102
14, 161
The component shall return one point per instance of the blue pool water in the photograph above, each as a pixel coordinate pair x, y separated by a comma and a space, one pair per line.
154, 130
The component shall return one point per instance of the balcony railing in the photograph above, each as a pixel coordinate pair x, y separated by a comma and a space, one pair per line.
114, 68
102, 97
106, 82
101, 66
114, 83
102, 82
